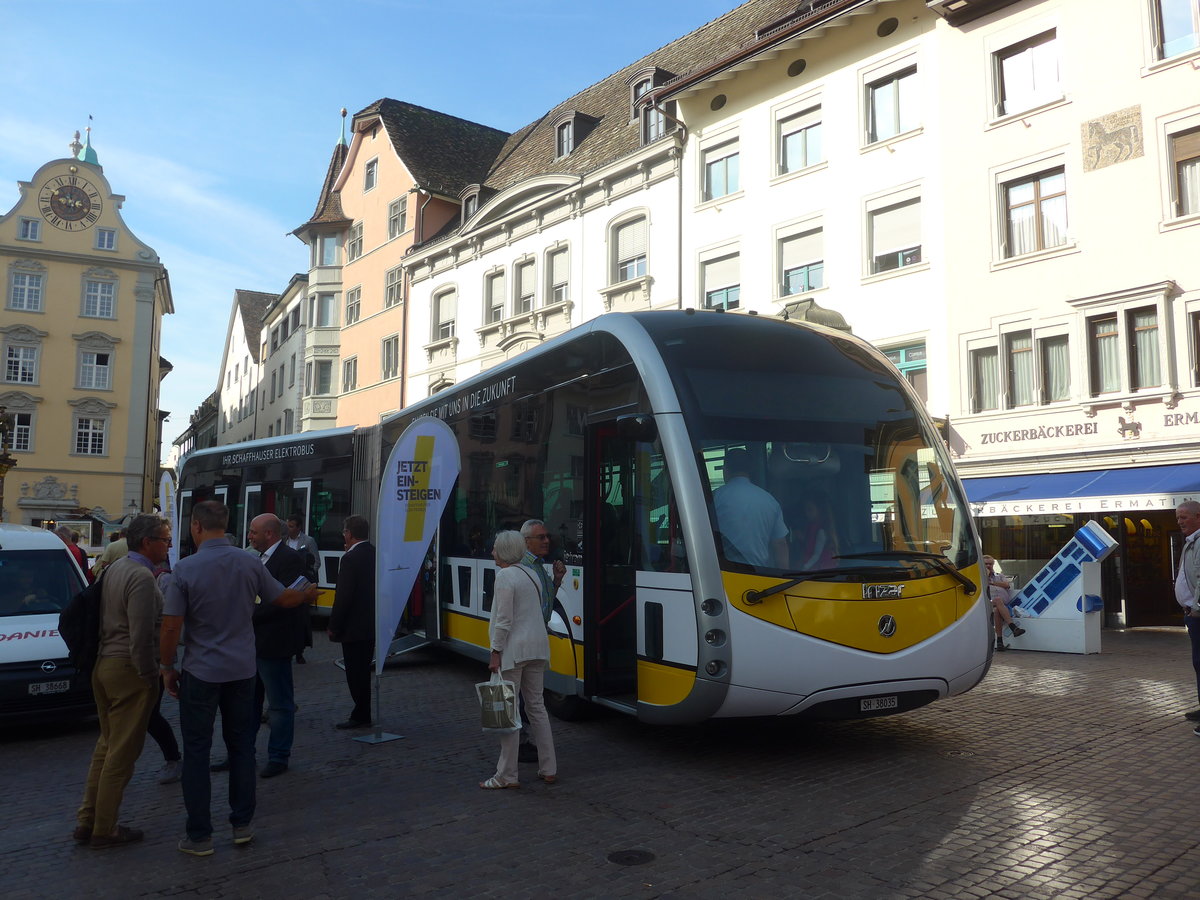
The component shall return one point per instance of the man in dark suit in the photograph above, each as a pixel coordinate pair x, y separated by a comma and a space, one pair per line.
278, 636
352, 620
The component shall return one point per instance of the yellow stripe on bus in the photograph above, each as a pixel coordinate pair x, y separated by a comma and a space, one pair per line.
464, 628
836, 612
662, 685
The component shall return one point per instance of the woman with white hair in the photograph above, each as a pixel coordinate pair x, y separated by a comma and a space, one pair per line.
520, 650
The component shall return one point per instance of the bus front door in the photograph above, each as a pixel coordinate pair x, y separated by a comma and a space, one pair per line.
609, 552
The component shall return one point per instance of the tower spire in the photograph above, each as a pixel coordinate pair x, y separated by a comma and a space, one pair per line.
342, 140
75, 146
87, 154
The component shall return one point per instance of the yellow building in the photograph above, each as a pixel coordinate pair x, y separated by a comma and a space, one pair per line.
80, 332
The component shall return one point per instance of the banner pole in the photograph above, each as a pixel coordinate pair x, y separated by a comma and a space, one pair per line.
377, 735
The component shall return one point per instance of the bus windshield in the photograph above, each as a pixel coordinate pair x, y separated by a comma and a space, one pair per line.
819, 464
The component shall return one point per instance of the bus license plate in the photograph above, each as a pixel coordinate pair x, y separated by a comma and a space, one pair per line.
50, 687
871, 704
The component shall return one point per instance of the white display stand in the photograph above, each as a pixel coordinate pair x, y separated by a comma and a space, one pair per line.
1061, 607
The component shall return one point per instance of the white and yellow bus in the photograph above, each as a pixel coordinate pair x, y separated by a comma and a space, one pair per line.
616, 435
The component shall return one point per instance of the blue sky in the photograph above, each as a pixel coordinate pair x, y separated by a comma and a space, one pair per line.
216, 120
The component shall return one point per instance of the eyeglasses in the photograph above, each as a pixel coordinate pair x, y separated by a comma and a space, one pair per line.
538, 537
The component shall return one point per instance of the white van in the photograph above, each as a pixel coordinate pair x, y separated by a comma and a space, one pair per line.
38, 576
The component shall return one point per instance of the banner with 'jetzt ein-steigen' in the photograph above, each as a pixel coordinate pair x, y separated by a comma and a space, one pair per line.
417, 480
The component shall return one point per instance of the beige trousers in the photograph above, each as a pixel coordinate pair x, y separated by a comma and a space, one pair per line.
124, 701
527, 678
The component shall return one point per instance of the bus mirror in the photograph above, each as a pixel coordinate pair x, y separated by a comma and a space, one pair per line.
637, 428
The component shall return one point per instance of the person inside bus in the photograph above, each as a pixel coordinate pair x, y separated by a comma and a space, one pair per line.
750, 519
813, 537
1000, 591
520, 650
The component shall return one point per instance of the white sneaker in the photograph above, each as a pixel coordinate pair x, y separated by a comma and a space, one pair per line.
170, 772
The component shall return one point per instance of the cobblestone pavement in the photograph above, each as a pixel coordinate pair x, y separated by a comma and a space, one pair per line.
1060, 776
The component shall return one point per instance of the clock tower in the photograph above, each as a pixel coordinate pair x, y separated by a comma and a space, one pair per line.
80, 334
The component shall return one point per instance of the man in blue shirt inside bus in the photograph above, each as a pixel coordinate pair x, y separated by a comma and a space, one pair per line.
750, 519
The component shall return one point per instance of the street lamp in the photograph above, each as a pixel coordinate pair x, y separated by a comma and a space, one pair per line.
7, 460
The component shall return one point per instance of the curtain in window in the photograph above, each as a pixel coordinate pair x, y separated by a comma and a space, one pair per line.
1056, 369
1106, 356
1052, 189
1145, 348
987, 378
1020, 369
1189, 187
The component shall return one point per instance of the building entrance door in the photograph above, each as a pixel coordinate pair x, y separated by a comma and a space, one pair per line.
1146, 568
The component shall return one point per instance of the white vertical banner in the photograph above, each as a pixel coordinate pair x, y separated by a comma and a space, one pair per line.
417, 480
168, 510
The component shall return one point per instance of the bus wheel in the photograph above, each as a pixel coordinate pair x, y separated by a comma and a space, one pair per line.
567, 707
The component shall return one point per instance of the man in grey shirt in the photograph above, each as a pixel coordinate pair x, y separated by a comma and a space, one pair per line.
211, 599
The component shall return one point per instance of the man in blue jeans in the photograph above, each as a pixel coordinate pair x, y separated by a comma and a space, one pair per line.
211, 599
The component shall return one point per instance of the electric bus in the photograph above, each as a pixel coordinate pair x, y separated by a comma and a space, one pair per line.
842, 580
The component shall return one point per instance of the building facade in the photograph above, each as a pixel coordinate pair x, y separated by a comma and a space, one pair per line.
241, 370
84, 301
283, 376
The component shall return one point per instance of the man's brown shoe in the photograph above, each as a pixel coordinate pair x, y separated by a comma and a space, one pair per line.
123, 835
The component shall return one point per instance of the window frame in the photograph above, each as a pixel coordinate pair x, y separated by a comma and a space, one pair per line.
389, 357
806, 115
26, 269
722, 293
354, 242
393, 287
29, 229
27, 359
443, 326
1123, 307
77, 434
1037, 203
349, 374
397, 217
494, 295
717, 156
630, 268
1042, 34
552, 292
353, 310
892, 72
110, 284
106, 245
370, 174
892, 201
797, 231
83, 367
1158, 36
524, 286
26, 429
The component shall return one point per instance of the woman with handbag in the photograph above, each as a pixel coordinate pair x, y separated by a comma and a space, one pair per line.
520, 650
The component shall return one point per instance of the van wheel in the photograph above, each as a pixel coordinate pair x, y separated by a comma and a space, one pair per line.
567, 707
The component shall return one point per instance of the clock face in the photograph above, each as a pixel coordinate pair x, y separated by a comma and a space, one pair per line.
70, 202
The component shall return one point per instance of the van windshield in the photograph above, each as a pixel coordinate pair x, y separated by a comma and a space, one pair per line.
36, 582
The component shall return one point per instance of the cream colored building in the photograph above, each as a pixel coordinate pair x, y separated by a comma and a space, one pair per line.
280, 353
80, 335
241, 370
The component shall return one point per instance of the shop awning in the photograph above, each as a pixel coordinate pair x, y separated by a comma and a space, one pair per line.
1096, 490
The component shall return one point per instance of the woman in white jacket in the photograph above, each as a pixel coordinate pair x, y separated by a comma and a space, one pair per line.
520, 650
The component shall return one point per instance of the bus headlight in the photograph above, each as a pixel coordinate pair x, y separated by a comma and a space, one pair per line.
711, 607
715, 637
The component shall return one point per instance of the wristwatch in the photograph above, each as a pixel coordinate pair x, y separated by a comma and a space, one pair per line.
163, 667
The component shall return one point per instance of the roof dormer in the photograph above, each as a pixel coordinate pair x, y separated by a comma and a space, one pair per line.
570, 128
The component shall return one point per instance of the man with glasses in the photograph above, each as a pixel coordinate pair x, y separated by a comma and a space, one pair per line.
124, 680
537, 554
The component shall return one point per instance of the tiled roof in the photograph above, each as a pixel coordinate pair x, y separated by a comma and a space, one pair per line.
253, 304
329, 204
443, 153
530, 152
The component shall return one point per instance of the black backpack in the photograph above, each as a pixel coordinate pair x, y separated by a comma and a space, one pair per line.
79, 627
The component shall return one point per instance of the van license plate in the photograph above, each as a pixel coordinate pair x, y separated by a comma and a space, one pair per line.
50, 687
871, 704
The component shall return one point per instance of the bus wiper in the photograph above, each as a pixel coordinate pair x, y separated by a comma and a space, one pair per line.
939, 561
801, 577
